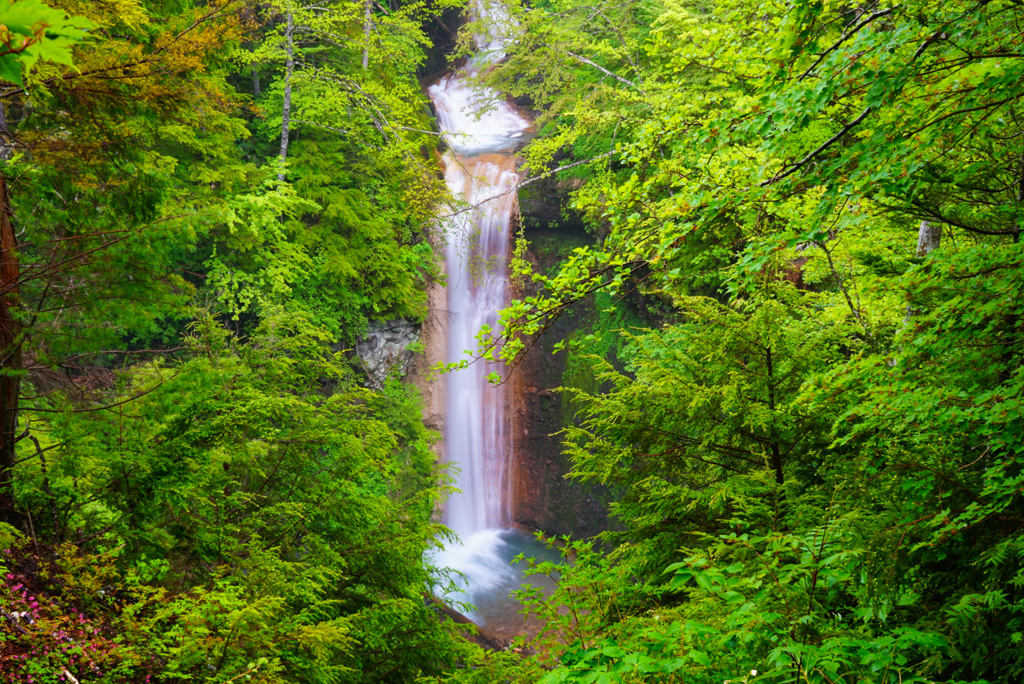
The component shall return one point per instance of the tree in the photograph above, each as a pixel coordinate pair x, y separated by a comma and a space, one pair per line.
133, 76
267, 499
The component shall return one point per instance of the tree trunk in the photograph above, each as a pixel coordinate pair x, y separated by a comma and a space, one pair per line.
366, 36
10, 338
928, 238
286, 109
251, 14
10, 356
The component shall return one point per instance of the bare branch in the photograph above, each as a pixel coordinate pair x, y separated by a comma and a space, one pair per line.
516, 187
824, 146
600, 68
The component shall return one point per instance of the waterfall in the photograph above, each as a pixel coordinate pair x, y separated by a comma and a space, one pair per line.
478, 169
482, 131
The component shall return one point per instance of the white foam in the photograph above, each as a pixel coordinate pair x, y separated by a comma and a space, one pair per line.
480, 559
475, 119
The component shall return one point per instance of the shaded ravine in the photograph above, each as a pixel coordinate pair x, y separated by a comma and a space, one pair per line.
482, 131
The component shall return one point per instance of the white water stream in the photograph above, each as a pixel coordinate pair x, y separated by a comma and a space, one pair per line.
478, 167
482, 131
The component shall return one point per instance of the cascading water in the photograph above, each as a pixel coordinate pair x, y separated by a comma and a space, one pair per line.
477, 253
482, 131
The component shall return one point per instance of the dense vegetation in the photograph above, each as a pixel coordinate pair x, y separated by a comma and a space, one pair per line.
200, 216
820, 443
820, 437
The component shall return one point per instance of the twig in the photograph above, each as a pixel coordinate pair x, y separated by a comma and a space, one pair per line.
14, 622
842, 39
516, 187
603, 70
824, 146
97, 408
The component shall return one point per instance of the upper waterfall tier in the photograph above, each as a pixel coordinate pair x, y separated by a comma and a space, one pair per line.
475, 120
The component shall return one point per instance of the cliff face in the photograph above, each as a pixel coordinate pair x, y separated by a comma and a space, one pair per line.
542, 497
434, 340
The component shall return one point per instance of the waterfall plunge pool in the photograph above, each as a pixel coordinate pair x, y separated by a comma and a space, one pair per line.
485, 559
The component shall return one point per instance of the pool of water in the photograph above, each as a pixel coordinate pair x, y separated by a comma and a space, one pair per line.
490, 578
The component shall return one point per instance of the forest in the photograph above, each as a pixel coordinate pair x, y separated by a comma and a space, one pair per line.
813, 429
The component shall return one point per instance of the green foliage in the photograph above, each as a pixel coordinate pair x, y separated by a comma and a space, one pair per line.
705, 399
209, 494
823, 444
262, 506
774, 607
819, 448
31, 31
355, 153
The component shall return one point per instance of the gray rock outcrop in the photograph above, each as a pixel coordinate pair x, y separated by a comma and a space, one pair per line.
385, 349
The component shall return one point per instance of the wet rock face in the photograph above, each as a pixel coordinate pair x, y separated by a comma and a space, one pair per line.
542, 205
385, 349
542, 497
443, 32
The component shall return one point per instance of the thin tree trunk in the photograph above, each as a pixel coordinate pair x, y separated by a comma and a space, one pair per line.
780, 477
10, 340
10, 356
366, 36
251, 14
929, 236
286, 110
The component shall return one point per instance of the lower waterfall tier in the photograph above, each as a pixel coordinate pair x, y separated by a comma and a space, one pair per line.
490, 578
